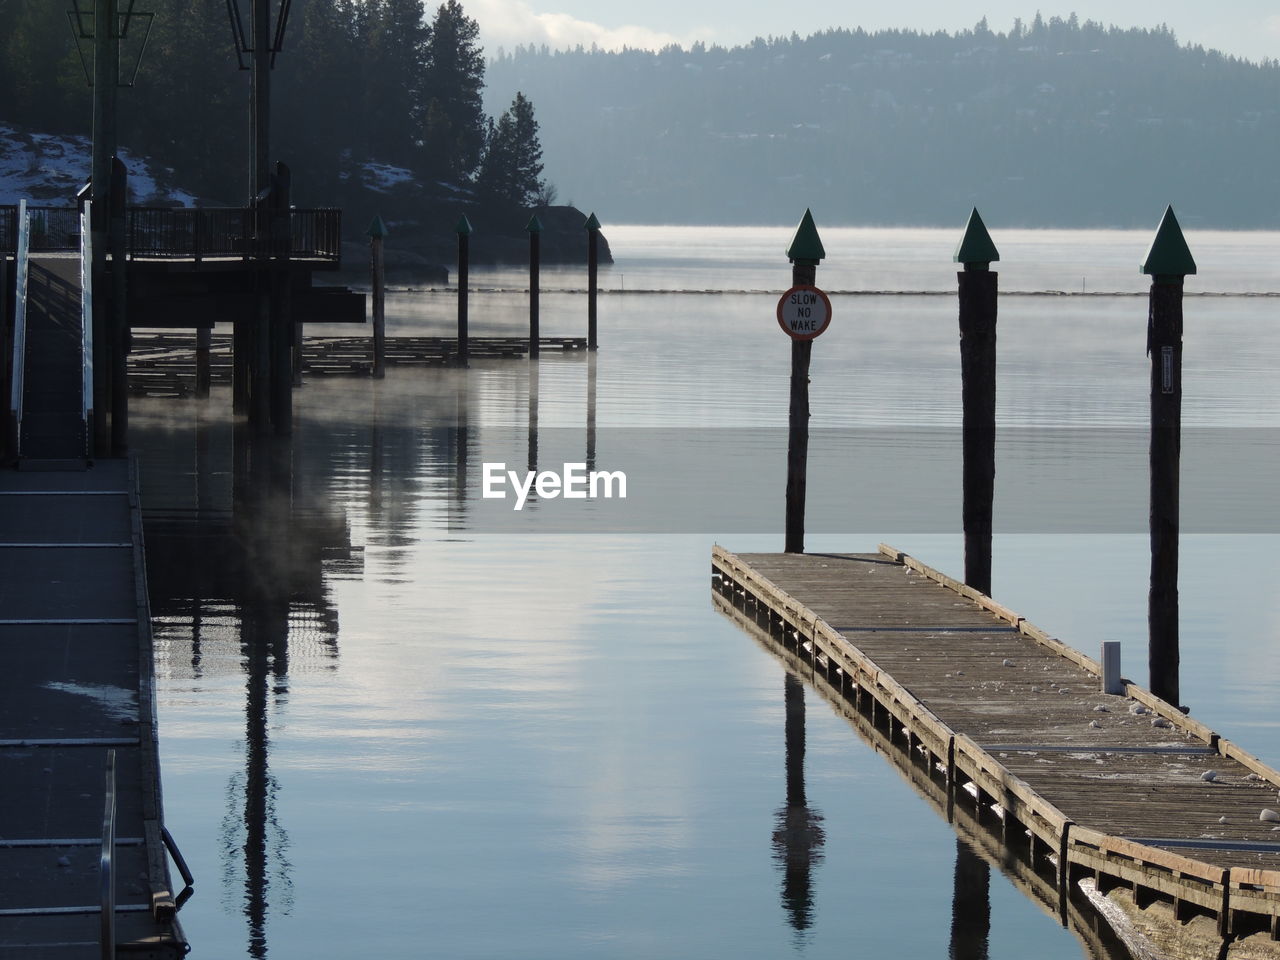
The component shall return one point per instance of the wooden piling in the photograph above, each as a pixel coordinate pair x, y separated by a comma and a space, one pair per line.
204, 374
534, 227
463, 228
377, 270
593, 264
978, 294
1168, 261
805, 253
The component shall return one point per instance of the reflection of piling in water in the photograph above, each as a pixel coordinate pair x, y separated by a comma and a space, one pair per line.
970, 905
591, 412
533, 418
798, 836
461, 443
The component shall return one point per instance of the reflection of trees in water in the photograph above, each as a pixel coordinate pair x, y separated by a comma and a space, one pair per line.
798, 835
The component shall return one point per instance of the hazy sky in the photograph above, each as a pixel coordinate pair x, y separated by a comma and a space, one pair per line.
1246, 28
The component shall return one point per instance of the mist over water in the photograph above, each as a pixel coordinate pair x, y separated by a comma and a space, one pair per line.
393, 724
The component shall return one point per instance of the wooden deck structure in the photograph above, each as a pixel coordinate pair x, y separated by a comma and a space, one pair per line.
1107, 789
77, 695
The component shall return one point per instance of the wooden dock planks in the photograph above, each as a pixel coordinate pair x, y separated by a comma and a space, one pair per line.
1019, 716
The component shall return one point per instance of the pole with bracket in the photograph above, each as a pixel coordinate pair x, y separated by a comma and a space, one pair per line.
1167, 262
377, 269
978, 291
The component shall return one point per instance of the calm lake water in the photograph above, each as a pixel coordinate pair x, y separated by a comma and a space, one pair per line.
400, 720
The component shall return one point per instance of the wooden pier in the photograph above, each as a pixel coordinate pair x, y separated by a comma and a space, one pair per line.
77, 696
1106, 791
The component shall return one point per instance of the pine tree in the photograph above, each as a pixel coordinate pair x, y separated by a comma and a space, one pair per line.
453, 124
511, 171
397, 44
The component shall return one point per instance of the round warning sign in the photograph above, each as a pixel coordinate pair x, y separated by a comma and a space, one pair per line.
804, 312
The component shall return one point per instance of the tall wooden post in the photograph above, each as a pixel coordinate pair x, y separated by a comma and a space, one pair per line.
464, 255
534, 227
805, 253
106, 71
593, 265
1167, 262
253, 338
977, 288
377, 270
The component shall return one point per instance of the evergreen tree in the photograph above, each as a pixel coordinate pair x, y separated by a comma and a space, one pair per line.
451, 107
396, 44
511, 171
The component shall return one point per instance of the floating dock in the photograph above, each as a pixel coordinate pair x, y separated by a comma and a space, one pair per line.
77, 699
164, 364
1120, 796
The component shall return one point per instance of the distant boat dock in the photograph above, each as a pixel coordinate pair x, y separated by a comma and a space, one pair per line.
1113, 790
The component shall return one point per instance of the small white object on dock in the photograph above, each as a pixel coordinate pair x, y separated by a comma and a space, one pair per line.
1209, 775
1269, 815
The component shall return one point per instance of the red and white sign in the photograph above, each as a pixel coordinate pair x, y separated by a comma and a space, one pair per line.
804, 312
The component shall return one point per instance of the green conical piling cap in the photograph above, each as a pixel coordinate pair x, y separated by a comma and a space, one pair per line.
592, 223
976, 246
377, 228
534, 225
463, 226
1169, 255
806, 246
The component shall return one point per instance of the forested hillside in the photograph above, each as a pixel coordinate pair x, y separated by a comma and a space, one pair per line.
1052, 123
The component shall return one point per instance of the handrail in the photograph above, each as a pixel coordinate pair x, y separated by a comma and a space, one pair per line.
107, 935
86, 321
187, 878
22, 265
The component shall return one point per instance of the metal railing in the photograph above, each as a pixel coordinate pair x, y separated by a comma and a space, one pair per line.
8, 229
229, 233
187, 232
23, 264
86, 325
53, 229
107, 934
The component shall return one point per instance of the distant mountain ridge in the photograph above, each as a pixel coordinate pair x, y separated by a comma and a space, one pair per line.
1055, 123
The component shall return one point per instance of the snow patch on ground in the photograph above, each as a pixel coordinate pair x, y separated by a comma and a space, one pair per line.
383, 177
49, 168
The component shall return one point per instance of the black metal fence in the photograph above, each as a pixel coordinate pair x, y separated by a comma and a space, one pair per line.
186, 233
